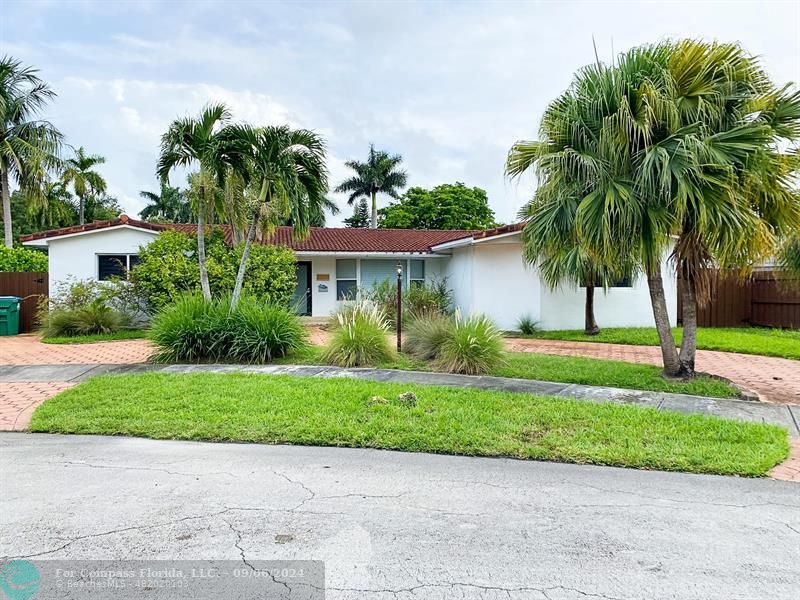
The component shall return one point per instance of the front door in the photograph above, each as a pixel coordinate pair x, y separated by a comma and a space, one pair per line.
301, 299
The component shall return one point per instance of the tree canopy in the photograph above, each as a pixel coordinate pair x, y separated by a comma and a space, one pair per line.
447, 206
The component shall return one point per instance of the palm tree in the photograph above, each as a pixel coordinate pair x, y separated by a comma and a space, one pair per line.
676, 146
85, 181
169, 205
50, 205
204, 141
378, 175
550, 240
288, 179
28, 146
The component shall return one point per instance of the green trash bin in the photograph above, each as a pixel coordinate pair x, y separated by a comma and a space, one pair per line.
9, 315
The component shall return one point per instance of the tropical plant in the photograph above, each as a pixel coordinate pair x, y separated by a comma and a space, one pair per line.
473, 346
417, 300
378, 175
170, 205
360, 218
288, 180
22, 259
447, 206
208, 142
359, 337
168, 268
92, 318
86, 182
425, 334
527, 325
194, 329
48, 205
685, 141
28, 146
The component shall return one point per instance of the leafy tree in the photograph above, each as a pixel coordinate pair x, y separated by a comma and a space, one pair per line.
679, 140
168, 267
22, 259
102, 208
28, 146
360, 218
207, 142
170, 205
86, 182
379, 175
288, 180
447, 206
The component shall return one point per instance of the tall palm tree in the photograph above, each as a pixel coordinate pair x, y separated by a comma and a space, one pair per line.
28, 146
50, 205
204, 141
287, 179
169, 205
379, 175
79, 172
677, 146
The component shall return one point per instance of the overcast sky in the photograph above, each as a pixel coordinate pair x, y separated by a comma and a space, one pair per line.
449, 85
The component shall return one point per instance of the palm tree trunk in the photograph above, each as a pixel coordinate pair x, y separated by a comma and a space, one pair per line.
201, 242
373, 222
669, 353
237, 289
6, 193
81, 210
689, 340
589, 324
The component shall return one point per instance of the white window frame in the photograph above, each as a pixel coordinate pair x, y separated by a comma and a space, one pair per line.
127, 256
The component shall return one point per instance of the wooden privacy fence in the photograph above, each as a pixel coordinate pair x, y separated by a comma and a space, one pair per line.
766, 298
30, 286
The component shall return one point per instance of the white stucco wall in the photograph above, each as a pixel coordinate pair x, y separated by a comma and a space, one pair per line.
491, 278
76, 256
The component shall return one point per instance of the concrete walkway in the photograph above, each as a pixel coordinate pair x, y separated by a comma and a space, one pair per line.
772, 379
403, 526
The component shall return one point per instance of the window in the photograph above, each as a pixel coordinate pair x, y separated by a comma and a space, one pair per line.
416, 272
110, 266
622, 282
346, 279
377, 271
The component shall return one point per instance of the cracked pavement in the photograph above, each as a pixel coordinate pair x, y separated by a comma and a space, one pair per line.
392, 525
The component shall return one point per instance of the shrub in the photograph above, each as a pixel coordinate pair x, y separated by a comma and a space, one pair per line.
418, 300
425, 334
95, 317
474, 346
527, 325
195, 330
168, 268
359, 337
22, 259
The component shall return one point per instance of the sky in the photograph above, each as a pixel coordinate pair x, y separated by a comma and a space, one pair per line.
447, 85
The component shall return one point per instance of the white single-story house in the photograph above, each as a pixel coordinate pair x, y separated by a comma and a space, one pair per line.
484, 269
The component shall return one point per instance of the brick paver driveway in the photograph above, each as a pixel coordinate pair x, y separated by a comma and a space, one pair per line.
19, 399
773, 379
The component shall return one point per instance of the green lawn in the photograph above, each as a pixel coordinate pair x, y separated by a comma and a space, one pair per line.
344, 412
748, 340
125, 334
567, 369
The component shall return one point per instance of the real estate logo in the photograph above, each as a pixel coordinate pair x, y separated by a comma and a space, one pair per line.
19, 579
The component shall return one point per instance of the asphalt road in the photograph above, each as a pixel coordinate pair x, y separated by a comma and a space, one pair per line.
396, 525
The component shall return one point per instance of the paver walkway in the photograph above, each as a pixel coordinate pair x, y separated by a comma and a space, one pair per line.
774, 379
29, 350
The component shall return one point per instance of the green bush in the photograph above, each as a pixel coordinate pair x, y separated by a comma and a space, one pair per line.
418, 300
93, 318
359, 337
22, 259
168, 268
474, 346
425, 335
194, 330
527, 325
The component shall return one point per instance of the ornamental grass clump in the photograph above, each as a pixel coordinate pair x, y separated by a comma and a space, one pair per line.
193, 329
93, 318
474, 346
359, 337
425, 335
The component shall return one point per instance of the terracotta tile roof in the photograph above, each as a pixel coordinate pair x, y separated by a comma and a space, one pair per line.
320, 239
